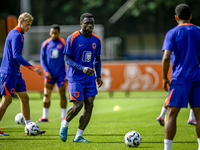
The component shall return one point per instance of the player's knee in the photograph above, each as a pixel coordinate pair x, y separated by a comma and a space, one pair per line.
89, 106
78, 107
46, 98
6, 102
25, 99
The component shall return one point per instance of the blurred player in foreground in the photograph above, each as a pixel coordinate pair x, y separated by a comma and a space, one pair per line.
83, 48
182, 44
53, 64
11, 78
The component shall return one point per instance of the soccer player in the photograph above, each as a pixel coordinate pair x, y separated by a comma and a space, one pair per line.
182, 44
53, 64
161, 117
11, 78
83, 48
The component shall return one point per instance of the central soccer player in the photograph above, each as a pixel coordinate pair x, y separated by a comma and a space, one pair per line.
82, 51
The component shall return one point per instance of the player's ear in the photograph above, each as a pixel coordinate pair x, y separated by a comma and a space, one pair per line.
177, 18
190, 16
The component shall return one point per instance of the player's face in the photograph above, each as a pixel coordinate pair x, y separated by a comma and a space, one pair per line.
25, 25
87, 25
54, 33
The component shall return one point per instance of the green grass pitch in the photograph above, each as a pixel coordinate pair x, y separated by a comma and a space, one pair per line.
106, 129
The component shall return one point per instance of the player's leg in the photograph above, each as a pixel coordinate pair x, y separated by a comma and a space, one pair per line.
195, 105
62, 90
84, 119
191, 120
46, 101
90, 92
76, 96
5, 102
71, 113
178, 98
8, 84
170, 126
161, 117
25, 107
197, 116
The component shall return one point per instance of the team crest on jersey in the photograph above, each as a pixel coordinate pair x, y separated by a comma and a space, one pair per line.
86, 56
94, 45
76, 94
59, 46
12, 91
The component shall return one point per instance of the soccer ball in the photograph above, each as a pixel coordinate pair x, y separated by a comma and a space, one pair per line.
19, 119
32, 129
132, 139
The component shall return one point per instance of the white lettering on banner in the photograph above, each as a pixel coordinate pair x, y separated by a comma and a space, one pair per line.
105, 72
134, 79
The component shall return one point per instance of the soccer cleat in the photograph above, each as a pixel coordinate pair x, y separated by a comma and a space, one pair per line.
80, 139
63, 132
42, 120
160, 121
41, 132
192, 122
3, 134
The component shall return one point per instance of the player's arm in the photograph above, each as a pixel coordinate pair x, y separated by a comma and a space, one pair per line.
87, 70
165, 68
97, 65
44, 62
17, 55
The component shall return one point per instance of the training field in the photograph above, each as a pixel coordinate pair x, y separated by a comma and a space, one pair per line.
106, 129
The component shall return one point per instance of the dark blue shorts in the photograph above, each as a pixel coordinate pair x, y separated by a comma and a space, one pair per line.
60, 80
78, 91
11, 84
180, 95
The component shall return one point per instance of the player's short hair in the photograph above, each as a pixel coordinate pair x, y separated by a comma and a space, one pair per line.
183, 11
25, 16
55, 26
86, 15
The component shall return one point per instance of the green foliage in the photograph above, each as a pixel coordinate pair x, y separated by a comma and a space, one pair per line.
144, 16
106, 129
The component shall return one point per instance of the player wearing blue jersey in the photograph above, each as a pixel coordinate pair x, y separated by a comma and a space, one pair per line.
182, 44
11, 78
53, 64
83, 48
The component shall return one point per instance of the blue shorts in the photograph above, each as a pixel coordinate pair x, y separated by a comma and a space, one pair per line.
11, 84
78, 91
60, 80
180, 95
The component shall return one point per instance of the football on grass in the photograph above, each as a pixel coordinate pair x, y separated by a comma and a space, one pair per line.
132, 139
19, 119
32, 129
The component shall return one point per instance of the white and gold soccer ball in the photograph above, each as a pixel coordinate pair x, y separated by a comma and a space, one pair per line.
19, 119
132, 139
32, 129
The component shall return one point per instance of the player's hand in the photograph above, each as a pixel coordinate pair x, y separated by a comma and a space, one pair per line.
39, 72
48, 75
99, 82
89, 71
166, 83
